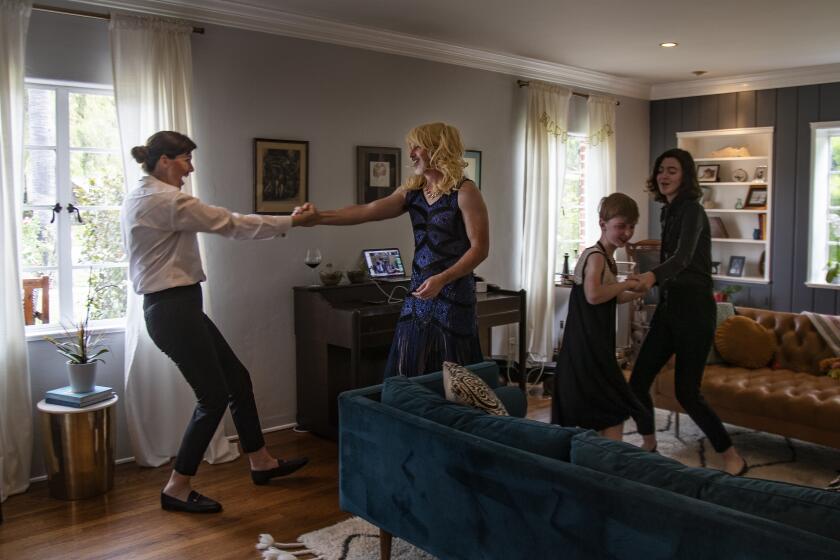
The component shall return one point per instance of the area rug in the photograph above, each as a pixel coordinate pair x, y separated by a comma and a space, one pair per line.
768, 456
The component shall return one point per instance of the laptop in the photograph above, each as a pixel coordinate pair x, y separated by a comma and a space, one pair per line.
385, 265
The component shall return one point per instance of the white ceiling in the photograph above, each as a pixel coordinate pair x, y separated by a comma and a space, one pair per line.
608, 45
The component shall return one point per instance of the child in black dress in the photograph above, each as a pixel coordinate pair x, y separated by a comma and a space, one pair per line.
590, 389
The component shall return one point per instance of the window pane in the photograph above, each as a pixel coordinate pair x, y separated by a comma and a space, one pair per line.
38, 239
106, 288
93, 121
834, 189
834, 225
97, 179
835, 153
40, 117
44, 306
833, 253
98, 238
39, 177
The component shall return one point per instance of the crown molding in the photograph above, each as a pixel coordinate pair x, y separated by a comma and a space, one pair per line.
253, 18
824, 74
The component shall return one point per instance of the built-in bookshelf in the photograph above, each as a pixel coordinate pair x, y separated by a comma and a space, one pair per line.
735, 169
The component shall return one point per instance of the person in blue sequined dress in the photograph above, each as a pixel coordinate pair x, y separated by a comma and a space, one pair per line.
451, 238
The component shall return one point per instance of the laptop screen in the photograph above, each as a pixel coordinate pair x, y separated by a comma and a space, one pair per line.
384, 263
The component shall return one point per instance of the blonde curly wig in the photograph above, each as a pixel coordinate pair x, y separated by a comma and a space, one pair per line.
446, 154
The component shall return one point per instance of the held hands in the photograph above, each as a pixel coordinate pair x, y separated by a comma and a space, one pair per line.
430, 288
646, 281
306, 215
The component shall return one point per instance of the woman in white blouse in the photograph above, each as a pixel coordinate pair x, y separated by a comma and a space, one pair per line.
159, 224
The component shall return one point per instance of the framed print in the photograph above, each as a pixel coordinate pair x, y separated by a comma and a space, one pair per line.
756, 197
708, 173
281, 175
717, 228
473, 169
377, 172
760, 175
736, 266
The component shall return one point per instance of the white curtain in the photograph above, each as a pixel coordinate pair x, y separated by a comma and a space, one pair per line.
15, 400
152, 62
600, 160
545, 164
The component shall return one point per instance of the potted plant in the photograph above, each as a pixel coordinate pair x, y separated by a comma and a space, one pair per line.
726, 293
82, 350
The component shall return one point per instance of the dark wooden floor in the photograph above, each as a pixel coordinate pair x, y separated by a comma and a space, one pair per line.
128, 522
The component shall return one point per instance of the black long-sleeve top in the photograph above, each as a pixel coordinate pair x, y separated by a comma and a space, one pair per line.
686, 251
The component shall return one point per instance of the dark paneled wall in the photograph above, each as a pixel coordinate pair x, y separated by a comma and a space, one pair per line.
790, 111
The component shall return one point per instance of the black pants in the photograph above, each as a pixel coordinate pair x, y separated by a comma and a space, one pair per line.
178, 326
683, 325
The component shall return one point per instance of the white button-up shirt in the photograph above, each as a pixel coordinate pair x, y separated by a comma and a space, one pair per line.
159, 225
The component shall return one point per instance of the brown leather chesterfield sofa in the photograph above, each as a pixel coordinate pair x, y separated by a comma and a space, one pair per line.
791, 400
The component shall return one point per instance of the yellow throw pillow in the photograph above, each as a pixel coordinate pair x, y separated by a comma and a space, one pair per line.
740, 341
464, 387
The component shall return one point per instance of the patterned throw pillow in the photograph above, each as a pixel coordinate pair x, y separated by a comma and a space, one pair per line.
464, 387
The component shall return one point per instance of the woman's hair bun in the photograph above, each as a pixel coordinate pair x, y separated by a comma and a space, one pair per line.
140, 153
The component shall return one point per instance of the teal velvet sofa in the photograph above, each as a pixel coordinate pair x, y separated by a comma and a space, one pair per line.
458, 483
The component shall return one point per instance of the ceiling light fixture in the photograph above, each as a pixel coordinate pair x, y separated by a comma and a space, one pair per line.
668, 45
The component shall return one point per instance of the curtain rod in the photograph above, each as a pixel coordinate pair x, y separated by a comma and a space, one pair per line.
81, 13
526, 83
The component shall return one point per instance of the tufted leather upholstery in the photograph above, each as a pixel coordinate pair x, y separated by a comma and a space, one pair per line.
790, 401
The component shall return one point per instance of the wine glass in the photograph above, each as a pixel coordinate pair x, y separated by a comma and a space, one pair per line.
312, 260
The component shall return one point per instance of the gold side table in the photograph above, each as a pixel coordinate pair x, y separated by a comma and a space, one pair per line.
79, 448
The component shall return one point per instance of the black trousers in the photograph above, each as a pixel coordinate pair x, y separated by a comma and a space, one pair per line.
683, 325
178, 326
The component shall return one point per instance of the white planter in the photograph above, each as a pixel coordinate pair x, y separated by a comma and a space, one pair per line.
82, 377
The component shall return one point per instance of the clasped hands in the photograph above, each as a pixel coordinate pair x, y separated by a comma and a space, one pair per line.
306, 215
640, 283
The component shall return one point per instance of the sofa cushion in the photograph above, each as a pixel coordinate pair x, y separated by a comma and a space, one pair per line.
743, 342
462, 386
809, 509
543, 439
725, 310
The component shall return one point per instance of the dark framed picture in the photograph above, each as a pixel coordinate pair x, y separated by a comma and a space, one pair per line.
717, 228
708, 173
281, 175
756, 197
473, 169
377, 172
760, 175
736, 266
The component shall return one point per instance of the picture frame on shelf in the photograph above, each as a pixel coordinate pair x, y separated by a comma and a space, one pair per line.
281, 175
756, 197
377, 172
736, 266
473, 169
760, 175
717, 228
708, 173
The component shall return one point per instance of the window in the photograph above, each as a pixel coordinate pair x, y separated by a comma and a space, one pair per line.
73, 189
571, 223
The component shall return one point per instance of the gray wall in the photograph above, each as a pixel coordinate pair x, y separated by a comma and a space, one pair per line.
789, 110
253, 85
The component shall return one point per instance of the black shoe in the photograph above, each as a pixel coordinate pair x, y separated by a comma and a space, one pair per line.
283, 468
196, 503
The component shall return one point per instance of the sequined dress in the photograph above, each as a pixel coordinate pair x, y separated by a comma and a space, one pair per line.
444, 328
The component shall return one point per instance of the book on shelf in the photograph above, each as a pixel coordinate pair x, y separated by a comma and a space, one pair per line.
66, 397
718, 230
762, 226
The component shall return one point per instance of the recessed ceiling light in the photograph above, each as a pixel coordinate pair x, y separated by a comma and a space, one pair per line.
668, 45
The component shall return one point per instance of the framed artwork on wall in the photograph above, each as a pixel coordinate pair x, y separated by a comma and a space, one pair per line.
281, 175
377, 172
473, 169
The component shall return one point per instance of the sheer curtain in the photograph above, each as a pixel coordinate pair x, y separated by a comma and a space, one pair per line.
545, 165
600, 160
15, 400
152, 62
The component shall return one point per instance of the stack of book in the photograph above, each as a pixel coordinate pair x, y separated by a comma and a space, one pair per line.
66, 397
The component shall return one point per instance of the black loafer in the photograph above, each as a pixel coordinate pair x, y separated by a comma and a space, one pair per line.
196, 503
283, 468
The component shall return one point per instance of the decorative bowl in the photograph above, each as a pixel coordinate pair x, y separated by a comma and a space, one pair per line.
330, 277
356, 276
